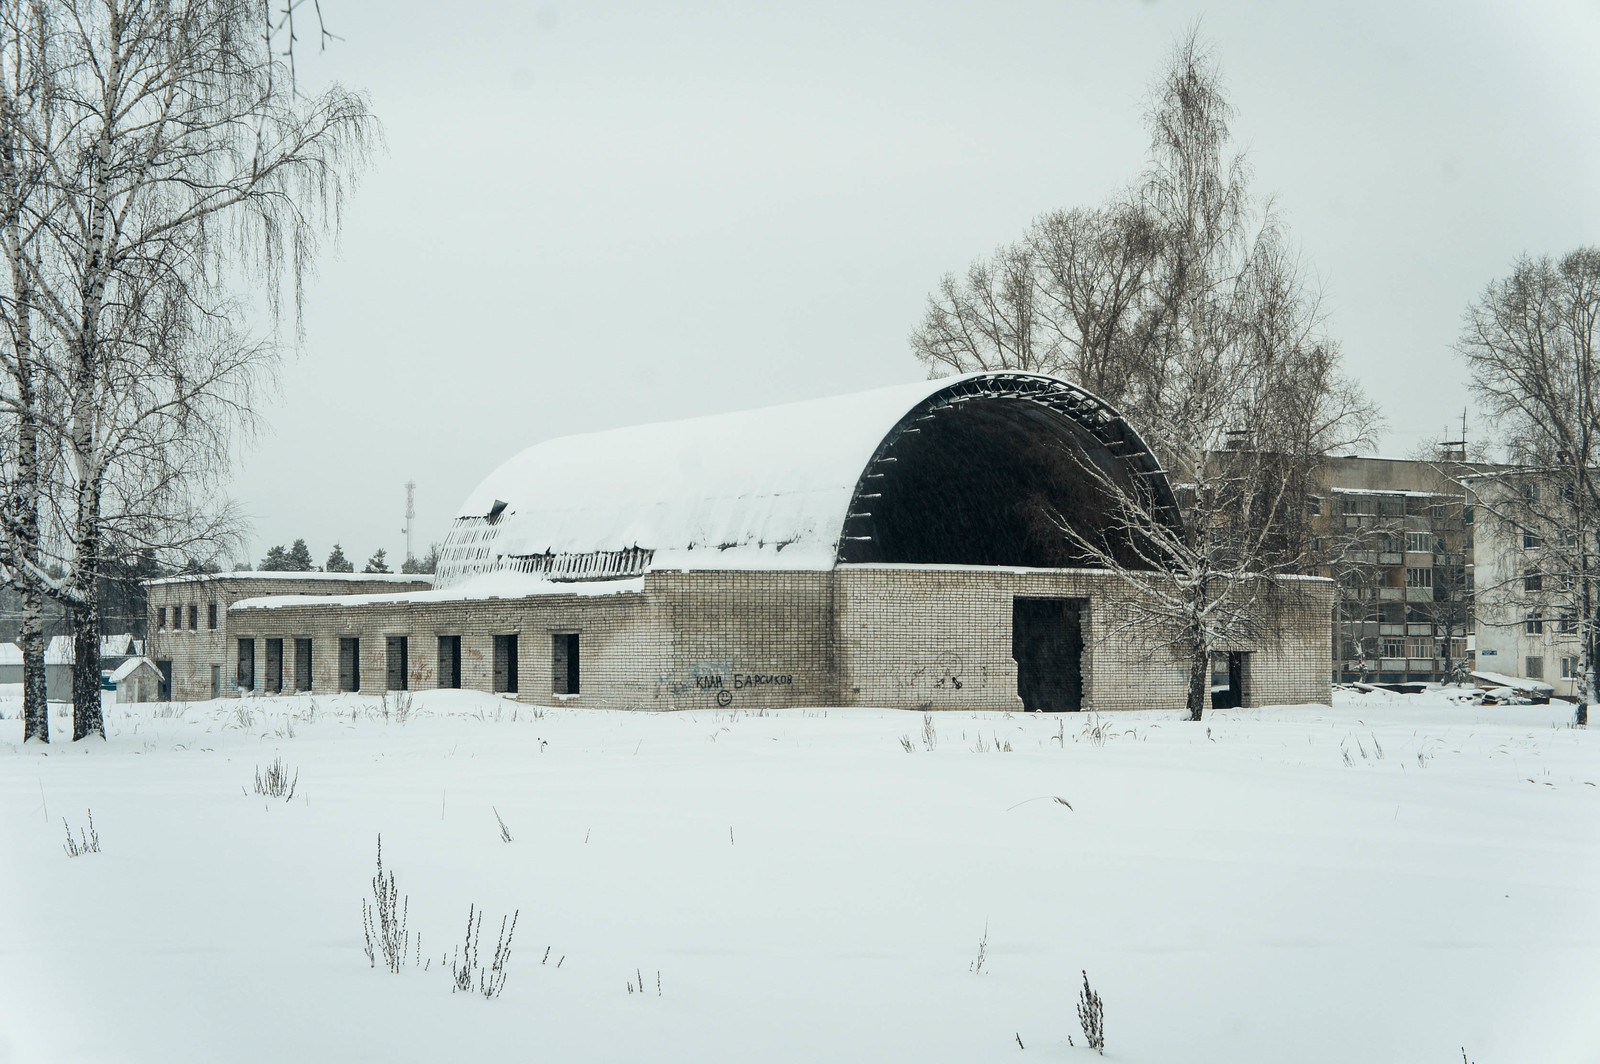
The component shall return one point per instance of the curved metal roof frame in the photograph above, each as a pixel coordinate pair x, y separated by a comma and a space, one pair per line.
1083, 408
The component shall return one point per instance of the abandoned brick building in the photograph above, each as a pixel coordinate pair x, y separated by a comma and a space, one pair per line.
886, 548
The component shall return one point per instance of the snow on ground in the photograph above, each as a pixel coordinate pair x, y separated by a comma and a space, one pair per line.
1391, 879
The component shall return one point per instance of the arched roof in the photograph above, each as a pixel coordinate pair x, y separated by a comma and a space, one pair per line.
949, 471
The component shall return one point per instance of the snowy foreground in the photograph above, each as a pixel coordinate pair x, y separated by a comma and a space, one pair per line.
1390, 880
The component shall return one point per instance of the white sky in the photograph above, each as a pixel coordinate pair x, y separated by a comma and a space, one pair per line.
616, 212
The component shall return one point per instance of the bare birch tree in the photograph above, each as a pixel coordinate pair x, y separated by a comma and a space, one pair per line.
1185, 305
1530, 342
27, 391
178, 163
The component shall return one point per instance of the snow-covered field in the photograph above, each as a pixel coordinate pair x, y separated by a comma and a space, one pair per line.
1391, 879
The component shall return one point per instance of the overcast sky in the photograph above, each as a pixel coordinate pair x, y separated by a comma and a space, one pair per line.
600, 214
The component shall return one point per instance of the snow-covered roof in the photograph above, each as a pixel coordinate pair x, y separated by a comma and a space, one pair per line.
476, 588
273, 574
116, 646
760, 489
1516, 683
129, 667
10, 654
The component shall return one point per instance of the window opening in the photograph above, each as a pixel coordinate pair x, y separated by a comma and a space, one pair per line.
349, 663
246, 676
396, 648
274, 666
564, 663
302, 664
450, 661
505, 663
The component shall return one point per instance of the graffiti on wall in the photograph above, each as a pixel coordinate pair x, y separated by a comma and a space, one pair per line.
945, 673
718, 680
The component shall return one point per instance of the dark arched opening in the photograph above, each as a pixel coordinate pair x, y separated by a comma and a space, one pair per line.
985, 472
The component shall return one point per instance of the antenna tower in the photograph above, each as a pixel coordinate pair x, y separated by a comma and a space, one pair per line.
411, 516
1457, 448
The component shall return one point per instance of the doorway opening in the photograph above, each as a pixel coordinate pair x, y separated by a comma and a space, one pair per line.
1047, 643
1227, 678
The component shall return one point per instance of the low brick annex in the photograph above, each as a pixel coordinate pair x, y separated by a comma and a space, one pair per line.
892, 548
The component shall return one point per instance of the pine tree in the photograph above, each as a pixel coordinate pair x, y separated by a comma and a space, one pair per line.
376, 563
276, 561
428, 563
299, 557
337, 562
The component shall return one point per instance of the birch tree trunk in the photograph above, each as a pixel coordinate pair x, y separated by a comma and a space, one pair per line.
35, 707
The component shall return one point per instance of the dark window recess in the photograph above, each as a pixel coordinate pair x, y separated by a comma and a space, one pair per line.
194, 617
211, 615
302, 664
161, 616
1047, 643
397, 652
246, 677
449, 661
564, 663
505, 663
274, 666
349, 663
216, 681
164, 688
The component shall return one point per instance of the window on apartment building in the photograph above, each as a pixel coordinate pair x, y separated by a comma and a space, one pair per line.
1421, 648
1531, 540
1419, 542
1419, 578
1569, 668
211, 615
1533, 667
564, 663
1534, 625
1567, 624
194, 616
1530, 492
1394, 648
505, 663
1351, 504
450, 661
161, 616
1532, 580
